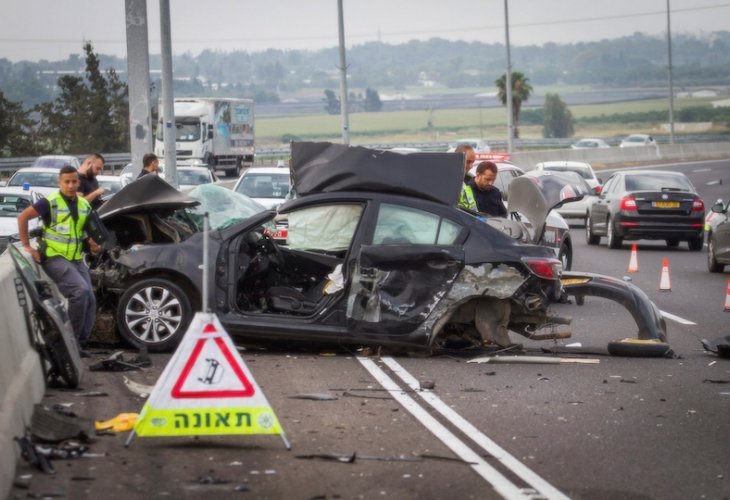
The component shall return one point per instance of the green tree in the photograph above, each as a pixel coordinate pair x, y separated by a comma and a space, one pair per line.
331, 102
557, 119
372, 100
521, 91
89, 114
16, 129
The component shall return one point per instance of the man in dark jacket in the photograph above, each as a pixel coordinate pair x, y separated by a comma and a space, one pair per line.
488, 198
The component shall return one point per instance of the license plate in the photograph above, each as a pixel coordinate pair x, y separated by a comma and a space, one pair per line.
665, 204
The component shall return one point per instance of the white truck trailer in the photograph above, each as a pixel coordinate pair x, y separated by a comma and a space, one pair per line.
218, 132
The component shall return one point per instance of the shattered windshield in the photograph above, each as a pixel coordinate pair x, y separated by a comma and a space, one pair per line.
225, 207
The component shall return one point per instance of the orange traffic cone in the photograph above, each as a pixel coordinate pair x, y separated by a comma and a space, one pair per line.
664, 283
727, 297
634, 261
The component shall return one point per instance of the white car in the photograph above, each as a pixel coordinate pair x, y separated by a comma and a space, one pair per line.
191, 177
44, 180
268, 186
575, 209
56, 161
635, 140
110, 183
590, 143
479, 145
14, 200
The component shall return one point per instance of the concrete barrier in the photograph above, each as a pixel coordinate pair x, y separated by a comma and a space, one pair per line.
21, 376
626, 156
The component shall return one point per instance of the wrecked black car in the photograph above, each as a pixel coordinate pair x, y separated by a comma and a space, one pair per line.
376, 254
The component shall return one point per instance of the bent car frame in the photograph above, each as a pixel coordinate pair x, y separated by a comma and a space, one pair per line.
375, 255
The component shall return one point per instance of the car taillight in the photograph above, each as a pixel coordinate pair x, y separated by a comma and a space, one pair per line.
550, 269
698, 205
627, 203
598, 189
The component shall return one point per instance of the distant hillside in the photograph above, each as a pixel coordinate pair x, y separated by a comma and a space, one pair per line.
638, 61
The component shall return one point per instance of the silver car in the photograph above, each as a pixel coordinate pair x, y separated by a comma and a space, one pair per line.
575, 209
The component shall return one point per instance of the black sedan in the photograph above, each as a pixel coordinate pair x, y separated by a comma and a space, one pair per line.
647, 204
375, 255
718, 238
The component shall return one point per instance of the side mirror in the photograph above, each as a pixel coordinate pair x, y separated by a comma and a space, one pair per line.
210, 131
718, 207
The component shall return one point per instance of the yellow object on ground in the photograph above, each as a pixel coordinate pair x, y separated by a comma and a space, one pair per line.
121, 423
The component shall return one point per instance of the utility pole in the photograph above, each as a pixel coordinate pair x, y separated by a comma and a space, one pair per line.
138, 79
168, 98
508, 82
343, 79
671, 83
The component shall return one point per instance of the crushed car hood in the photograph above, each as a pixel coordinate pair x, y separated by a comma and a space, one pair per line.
536, 193
149, 193
321, 167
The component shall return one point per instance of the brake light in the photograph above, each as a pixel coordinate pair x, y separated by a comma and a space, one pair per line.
627, 203
698, 205
550, 269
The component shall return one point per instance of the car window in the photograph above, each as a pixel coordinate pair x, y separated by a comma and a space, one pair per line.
657, 182
42, 179
223, 206
504, 177
327, 228
194, 178
264, 185
11, 205
583, 172
609, 185
399, 225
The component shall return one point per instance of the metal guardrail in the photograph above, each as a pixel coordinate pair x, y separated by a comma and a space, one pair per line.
115, 161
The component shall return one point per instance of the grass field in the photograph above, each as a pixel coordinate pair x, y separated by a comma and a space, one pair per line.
447, 124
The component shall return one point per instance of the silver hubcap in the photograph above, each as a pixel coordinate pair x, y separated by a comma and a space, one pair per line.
153, 314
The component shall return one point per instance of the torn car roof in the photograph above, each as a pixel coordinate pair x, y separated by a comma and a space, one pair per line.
322, 167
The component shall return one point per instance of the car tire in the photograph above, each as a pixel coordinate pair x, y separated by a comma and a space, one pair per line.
565, 255
672, 242
640, 348
592, 239
614, 241
712, 264
154, 313
696, 244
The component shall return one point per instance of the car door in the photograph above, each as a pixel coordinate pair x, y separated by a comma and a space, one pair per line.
600, 208
404, 270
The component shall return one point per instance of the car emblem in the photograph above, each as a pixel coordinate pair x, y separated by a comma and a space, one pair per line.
665, 197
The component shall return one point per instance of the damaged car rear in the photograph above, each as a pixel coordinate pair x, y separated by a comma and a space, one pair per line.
376, 254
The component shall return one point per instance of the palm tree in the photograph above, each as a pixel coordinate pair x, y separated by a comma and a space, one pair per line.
521, 91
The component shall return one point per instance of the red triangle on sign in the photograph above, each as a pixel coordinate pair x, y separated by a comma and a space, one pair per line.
246, 390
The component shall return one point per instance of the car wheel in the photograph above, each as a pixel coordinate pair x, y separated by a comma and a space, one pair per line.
614, 241
592, 239
672, 243
640, 348
696, 244
154, 313
712, 264
565, 255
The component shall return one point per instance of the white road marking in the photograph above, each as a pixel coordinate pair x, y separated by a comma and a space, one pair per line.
677, 318
712, 183
517, 467
701, 170
500, 483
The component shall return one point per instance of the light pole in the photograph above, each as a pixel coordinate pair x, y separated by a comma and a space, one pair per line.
508, 82
343, 79
671, 83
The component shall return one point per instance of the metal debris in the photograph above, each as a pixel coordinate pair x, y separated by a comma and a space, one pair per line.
140, 390
533, 360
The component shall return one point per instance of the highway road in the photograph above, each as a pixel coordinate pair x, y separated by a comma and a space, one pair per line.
624, 428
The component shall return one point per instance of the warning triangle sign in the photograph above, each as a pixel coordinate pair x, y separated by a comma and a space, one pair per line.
207, 389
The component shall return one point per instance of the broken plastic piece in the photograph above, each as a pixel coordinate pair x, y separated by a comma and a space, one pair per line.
719, 346
315, 396
533, 360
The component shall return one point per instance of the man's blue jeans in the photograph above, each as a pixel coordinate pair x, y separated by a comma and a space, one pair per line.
74, 282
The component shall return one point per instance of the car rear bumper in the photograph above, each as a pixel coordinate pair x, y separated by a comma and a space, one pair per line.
659, 229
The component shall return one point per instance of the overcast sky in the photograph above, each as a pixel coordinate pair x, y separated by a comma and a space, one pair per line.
53, 29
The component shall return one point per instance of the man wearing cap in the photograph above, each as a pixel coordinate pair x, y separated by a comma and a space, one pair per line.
64, 216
